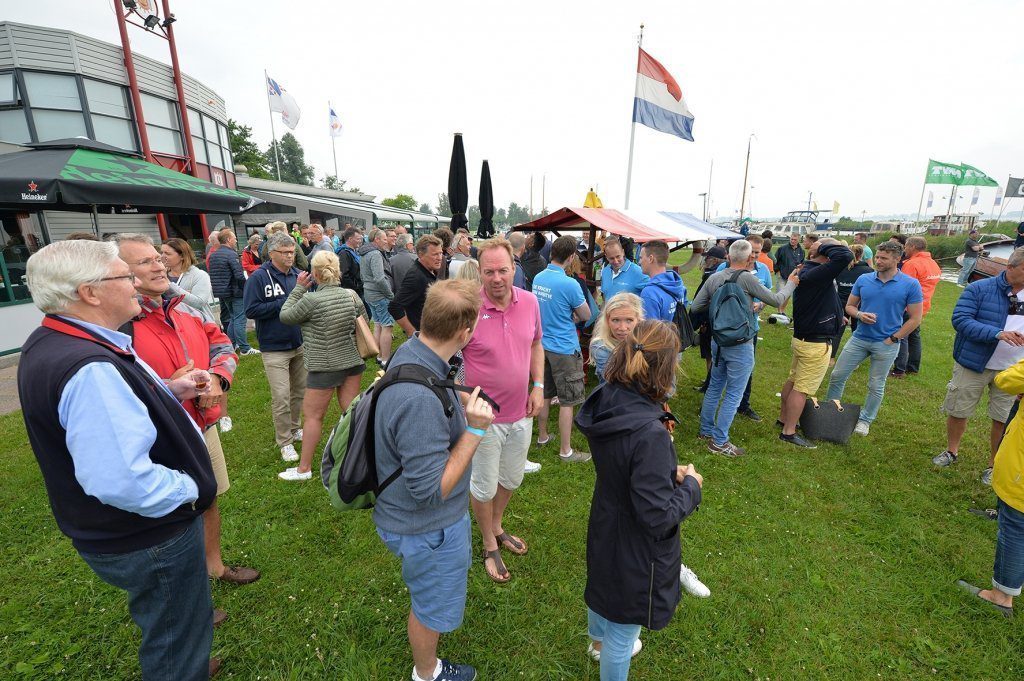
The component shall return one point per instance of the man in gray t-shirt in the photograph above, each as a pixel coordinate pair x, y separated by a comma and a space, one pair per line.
422, 517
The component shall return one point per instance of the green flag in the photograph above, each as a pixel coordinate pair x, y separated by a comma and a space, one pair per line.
974, 177
943, 173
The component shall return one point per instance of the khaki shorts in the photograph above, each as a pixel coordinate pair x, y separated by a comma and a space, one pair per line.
500, 458
563, 378
220, 467
809, 365
964, 390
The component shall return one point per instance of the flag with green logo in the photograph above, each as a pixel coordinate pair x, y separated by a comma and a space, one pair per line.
943, 173
974, 177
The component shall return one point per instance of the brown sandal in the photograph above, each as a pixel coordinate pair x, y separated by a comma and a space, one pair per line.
499, 565
513, 543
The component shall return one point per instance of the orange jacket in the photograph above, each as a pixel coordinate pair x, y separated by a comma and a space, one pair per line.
767, 260
922, 267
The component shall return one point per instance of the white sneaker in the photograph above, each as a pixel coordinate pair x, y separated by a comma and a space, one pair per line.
225, 424
293, 474
693, 586
297, 434
862, 428
531, 466
595, 655
249, 352
289, 454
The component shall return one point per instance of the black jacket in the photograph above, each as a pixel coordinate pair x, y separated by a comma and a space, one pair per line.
533, 263
786, 260
633, 534
351, 275
846, 279
411, 294
817, 314
226, 274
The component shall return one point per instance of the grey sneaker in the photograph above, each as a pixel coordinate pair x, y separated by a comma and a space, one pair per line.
795, 439
947, 458
986, 476
728, 449
862, 428
574, 457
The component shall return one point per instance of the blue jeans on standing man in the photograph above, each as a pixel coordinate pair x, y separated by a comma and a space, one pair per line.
730, 370
1008, 571
616, 645
965, 271
169, 600
232, 320
854, 353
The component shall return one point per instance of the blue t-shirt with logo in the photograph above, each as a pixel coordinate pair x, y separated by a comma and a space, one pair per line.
630, 278
887, 300
558, 295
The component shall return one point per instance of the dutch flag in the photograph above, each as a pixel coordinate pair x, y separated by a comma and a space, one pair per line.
658, 102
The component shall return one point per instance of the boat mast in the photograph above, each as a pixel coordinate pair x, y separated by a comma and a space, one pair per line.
746, 172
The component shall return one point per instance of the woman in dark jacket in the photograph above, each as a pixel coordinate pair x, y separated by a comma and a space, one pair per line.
844, 284
640, 497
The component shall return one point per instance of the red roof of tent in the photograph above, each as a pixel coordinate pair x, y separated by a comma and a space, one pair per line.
608, 219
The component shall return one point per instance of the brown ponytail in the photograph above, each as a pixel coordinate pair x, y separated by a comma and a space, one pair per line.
646, 361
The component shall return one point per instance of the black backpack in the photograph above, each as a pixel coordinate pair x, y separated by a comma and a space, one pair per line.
349, 466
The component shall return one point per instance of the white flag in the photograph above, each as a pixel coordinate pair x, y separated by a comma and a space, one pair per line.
974, 199
999, 197
334, 122
283, 103
930, 197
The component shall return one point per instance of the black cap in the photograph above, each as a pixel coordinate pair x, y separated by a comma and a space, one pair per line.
715, 252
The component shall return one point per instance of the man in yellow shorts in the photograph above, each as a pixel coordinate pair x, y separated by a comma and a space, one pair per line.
817, 313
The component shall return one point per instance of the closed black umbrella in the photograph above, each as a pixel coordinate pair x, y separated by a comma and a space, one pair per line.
84, 175
458, 186
486, 228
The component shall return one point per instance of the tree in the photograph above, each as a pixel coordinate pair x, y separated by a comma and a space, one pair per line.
444, 208
500, 218
401, 201
332, 182
245, 151
293, 160
473, 215
517, 214
425, 207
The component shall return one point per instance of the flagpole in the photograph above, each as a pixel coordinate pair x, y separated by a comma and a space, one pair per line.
334, 149
711, 171
921, 200
632, 127
1002, 204
746, 171
273, 135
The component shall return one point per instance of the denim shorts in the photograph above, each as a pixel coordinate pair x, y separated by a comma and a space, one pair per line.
434, 567
379, 312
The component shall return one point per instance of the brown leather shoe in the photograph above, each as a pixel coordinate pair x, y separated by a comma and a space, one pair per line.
215, 663
235, 574
218, 617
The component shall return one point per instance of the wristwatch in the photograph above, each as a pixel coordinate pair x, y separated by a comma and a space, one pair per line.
894, 339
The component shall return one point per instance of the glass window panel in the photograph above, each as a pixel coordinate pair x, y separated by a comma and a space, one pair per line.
116, 131
199, 146
228, 165
106, 98
14, 126
8, 88
211, 128
195, 123
55, 125
53, 91
164, 141
215, 158
159, 111
223, 131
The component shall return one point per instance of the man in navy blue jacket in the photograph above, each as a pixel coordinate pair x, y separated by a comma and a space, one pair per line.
265, 293
228, 279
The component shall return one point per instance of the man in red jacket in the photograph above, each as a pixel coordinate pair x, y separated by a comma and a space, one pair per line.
173, 339
919, 265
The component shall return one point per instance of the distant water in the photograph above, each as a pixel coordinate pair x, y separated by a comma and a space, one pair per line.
950, 274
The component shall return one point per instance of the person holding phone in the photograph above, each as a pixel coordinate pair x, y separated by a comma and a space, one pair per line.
640, 497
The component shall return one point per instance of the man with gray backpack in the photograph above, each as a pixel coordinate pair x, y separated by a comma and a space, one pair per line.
728, 297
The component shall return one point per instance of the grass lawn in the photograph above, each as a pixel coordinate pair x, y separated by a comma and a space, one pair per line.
833, 563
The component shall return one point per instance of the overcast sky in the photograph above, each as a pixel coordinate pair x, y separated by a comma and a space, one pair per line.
848, 101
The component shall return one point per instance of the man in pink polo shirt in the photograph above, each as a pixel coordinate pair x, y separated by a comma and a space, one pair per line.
505, 358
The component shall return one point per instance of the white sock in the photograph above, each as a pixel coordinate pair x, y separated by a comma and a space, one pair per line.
566, 456
437, 672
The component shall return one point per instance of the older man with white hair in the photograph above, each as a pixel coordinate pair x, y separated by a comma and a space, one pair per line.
125, 467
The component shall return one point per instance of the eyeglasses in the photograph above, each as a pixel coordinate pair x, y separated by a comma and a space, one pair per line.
132, 277
148, 262
284, 253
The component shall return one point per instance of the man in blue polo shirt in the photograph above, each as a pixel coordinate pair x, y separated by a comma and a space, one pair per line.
562, 304
877, 302
620, 274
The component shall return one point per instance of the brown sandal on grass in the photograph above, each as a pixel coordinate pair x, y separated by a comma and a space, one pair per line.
513, 543
499, 566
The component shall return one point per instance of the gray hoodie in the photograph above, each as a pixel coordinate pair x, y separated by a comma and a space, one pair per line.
375, 270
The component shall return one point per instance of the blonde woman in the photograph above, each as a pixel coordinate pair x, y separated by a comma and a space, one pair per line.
328, 320
621, 314
470, 270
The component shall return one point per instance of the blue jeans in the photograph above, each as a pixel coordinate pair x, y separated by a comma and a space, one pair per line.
1008, 572
169, 600
616, 645
730, 370
965, 272
232, 320
853, 355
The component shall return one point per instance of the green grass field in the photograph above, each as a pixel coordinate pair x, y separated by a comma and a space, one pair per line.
835, 563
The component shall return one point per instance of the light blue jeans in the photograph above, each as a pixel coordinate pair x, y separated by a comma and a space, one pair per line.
616, 645
730, 370
854, 353
965, 271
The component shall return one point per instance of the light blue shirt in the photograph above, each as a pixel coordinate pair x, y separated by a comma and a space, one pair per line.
558, 295
110, 433
630, 278
887, 300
